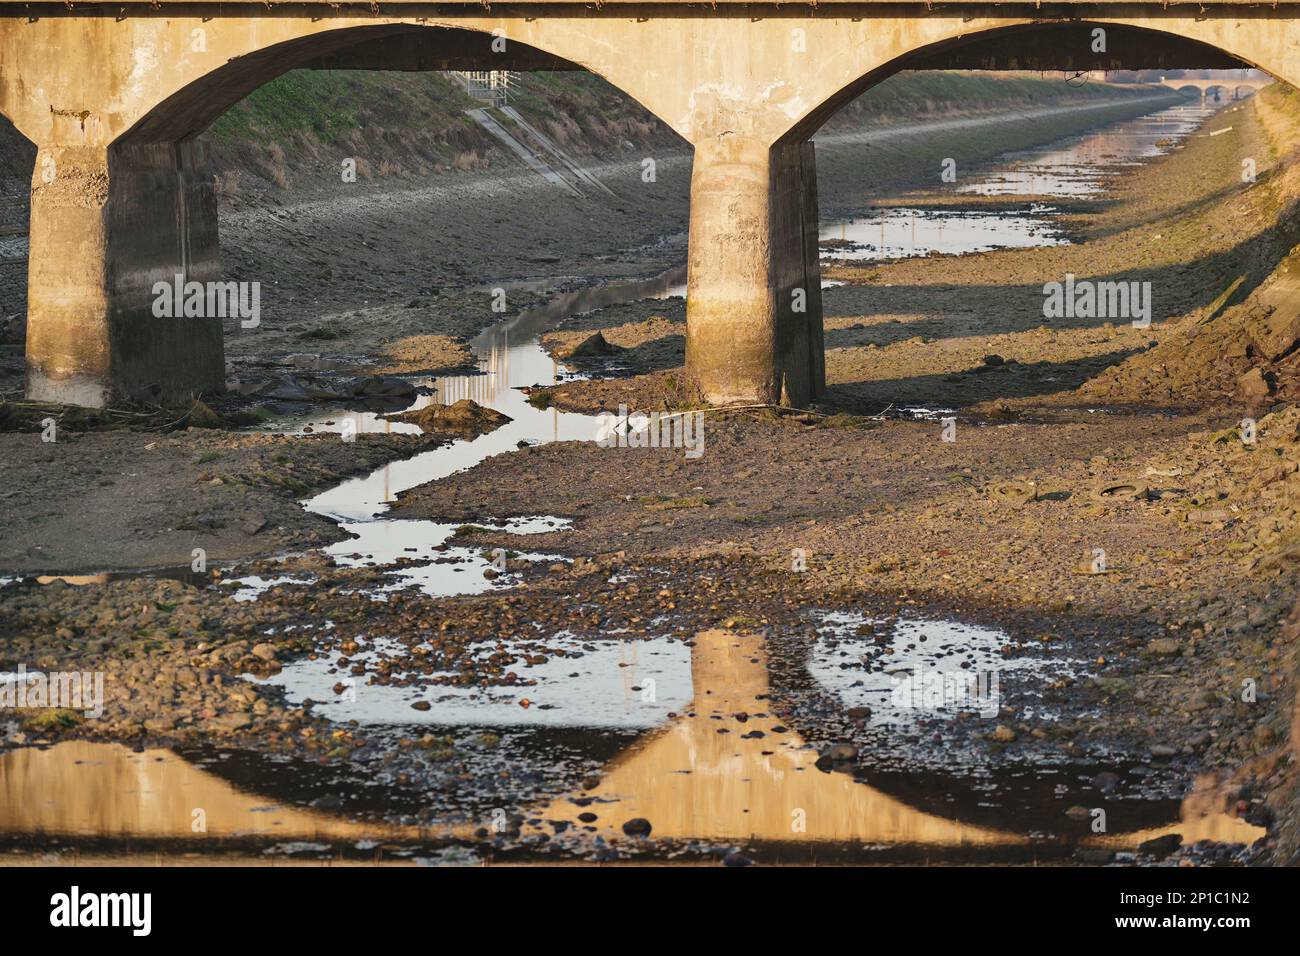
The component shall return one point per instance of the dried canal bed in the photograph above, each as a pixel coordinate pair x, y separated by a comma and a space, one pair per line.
551, 737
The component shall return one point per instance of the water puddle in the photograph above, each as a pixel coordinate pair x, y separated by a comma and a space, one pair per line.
905, 233
901, 669
576, 683
717, 773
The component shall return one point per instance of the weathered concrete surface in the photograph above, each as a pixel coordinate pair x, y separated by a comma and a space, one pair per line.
744, 84
106, 225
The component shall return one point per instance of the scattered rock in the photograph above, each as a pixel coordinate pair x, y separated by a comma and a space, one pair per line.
383, 387
1106, 781
230, 722
1161, 846
253, 524
1254, 386
1165, 646
637, 827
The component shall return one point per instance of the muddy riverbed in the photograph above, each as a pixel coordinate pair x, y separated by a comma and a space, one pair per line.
830, 636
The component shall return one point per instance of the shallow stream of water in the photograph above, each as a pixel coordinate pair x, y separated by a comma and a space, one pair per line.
1076, 168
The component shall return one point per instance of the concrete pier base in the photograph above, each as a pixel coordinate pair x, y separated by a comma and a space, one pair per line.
753, 314
106, 225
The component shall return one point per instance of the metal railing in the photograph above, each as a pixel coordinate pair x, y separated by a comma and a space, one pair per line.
489, 86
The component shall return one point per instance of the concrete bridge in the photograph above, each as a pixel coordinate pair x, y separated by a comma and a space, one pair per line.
1232, 86
114, 94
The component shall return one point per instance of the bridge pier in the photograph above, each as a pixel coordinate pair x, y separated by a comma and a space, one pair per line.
106, 225
753, 313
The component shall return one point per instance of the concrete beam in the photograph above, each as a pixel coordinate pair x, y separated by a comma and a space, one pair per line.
422, 50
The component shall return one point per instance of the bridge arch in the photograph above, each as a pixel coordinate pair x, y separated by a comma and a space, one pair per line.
745, 341
399, 45
746, 86
133, 203
1029, 44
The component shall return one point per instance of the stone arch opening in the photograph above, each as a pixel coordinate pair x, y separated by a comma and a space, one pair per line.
1062, 48
158, 218
1043, 46
392, 47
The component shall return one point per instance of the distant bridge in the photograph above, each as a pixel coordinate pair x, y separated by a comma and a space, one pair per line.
1232, 87
114, 95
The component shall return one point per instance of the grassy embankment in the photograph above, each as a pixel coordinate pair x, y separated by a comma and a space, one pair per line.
415, 123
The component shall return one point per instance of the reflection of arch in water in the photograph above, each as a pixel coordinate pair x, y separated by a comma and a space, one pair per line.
711, 776
703, 777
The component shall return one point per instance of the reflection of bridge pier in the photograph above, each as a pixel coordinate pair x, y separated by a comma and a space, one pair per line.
711, 775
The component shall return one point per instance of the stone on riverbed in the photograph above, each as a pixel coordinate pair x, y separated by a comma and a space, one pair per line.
465, 419
593, 346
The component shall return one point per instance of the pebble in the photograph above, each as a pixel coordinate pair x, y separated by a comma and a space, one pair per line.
1165, 646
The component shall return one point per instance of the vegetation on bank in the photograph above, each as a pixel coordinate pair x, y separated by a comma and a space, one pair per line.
416, 123
927, 94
